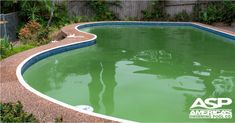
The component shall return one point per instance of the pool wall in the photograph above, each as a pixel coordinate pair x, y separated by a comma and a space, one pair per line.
196, 25
88, 42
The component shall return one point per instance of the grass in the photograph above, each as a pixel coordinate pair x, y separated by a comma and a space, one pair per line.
16, 49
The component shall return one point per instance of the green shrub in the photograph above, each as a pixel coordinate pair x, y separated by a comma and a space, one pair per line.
156, 12
5, 47
13, 112
228, 12
217, 11
101, 9
16, 49
211, 14
61, 17
8, 6
59, 119
34, 10
196, 10
182, 16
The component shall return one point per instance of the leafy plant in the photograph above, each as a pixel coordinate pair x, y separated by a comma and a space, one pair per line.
196, 11
228, 12
8, 6
45, 12
33, 10
182, 16
59, 119
101, 9
61, 16
5, 46
17, 49
13, 112
30, 32
7, 49
210, 15
217, 11
156, 12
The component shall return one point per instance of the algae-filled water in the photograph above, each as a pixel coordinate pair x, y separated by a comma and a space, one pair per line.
145, 74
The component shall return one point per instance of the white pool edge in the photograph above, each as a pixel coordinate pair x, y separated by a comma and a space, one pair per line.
28, 87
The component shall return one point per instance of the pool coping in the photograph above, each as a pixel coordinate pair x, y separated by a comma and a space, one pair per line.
76, 39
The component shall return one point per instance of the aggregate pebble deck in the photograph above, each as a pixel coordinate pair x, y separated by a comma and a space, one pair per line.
11, 90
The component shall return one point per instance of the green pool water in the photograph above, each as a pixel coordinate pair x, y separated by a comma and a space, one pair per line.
145, 74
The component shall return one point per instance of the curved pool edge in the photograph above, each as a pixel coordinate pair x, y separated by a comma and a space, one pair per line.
20, 70
46, 53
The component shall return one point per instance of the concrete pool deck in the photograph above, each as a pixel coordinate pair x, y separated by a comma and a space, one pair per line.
45, 111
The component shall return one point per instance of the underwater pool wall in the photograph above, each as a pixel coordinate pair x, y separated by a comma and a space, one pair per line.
23, 66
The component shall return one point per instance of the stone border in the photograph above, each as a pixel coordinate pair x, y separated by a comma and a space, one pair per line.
44, 110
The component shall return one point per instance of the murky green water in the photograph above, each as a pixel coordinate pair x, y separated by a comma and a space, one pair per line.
143, 74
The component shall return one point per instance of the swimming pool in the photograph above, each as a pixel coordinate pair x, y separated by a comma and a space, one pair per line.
146, 72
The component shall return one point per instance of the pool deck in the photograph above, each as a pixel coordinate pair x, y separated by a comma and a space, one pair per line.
45, 111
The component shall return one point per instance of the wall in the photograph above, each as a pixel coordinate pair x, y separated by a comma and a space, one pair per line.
132, 8
9, 28
176, 6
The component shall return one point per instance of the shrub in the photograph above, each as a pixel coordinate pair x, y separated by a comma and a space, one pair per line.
197, 8
5, 47
101, 9
59, 119
30, 32
8, 6
182, 16
13, 112
156, 12
228, 12
211, 14
217, 11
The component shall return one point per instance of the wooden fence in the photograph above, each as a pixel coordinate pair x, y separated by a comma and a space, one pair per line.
132, 8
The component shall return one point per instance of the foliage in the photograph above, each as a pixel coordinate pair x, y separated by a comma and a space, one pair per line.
17, 49
39, 10
228, 11
76, 19
8, 6
196, 10
101, 9
34, 10
59, 119
33, 29
157, 11
13, 112
182, 16
5, 47
217, 11
30, 32
61, 17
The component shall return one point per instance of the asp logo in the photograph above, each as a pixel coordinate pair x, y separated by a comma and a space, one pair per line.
211, 108
211, 103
